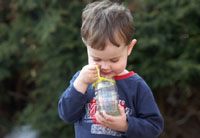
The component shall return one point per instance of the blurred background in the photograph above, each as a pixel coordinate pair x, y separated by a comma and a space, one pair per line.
41, 49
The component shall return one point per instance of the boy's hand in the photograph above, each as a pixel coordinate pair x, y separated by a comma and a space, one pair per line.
87, 75
118, 123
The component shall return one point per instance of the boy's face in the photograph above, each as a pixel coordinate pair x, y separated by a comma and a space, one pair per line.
112, 60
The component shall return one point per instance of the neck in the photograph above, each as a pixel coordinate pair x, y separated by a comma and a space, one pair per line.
124, 72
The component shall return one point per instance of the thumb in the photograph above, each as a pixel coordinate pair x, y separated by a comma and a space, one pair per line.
121, 109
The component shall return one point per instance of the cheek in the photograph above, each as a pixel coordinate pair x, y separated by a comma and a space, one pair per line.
118, 68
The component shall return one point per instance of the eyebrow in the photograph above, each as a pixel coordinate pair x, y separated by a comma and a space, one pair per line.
110, 58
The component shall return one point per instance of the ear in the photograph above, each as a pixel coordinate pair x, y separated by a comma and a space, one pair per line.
131, 45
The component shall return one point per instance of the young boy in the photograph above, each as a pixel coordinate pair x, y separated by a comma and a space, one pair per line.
106, 31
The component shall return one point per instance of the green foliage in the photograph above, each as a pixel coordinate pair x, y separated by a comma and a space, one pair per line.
55, 44
41, 48
167, 52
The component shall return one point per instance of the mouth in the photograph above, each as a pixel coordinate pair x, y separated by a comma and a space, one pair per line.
105, 73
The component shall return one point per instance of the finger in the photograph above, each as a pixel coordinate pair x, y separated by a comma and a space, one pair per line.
94, 70
121, 109
107, 117
97, 67
93, 76
92, 67
99, 117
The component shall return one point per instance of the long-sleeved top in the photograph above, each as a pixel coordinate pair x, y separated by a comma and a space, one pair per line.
143, 115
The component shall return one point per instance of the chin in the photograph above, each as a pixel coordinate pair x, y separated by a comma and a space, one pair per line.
111, 75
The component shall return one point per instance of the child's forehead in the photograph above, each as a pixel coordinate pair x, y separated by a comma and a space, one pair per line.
116, 41
109, 50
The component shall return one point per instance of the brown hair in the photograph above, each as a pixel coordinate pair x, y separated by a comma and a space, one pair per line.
106, 20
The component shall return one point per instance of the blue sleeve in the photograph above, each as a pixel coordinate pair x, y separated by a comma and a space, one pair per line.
148, 122
71, 103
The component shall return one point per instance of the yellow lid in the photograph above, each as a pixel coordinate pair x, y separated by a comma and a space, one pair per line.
100, 79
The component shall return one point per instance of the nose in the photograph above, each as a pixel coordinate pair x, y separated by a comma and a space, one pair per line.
104, 65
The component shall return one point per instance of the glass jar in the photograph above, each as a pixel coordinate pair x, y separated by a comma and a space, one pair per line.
107, 98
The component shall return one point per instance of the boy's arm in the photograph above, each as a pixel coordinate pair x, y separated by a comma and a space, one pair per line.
71, 103
149, 121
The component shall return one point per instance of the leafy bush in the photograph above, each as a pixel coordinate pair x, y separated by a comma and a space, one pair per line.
40, 50
167, 52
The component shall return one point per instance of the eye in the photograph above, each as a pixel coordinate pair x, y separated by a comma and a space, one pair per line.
114, 60
97, 59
